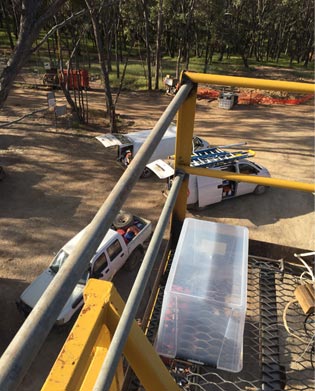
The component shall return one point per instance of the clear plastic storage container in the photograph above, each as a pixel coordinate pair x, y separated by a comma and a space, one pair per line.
204, 304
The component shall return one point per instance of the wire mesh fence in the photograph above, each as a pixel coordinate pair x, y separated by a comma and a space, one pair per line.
278, 338
279, 345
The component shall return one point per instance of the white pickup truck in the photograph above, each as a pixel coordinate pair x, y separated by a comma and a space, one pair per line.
129, 144
122, 245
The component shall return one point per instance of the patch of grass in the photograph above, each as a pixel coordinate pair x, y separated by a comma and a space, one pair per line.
136, 74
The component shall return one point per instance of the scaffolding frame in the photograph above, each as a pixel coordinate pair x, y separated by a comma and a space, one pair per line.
22, 350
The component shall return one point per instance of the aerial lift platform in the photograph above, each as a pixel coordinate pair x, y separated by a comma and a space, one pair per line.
106, 330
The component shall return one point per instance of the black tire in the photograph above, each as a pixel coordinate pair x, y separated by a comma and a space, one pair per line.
146, 173
260, 189
123, 220
134, 259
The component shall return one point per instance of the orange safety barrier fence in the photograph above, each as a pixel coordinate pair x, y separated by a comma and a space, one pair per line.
254, 98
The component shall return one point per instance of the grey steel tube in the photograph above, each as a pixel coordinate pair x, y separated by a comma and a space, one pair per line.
19, 355
116, 347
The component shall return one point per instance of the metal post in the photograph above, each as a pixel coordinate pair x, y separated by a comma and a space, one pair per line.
185, 130
116, 347
259, 180
249, 82
19, 355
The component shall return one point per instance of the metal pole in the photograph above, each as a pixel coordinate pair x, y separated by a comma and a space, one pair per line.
259, 180
19, 355
248, 82
116, 347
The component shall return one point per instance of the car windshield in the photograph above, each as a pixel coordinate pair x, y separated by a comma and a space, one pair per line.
58, 261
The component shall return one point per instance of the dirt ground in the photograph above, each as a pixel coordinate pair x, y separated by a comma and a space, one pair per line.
58, 175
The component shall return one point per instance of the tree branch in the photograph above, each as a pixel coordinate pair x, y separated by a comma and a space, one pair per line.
3, 125
50, 11
56, 27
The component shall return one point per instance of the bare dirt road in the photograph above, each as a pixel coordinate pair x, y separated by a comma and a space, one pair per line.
58, 176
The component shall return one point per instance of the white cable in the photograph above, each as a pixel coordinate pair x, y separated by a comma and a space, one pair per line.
305, 280
284, 316
305, 264
311, 341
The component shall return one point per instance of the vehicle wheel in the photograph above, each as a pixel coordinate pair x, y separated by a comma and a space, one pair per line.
122, 220
134, 260
146, 173
260, 189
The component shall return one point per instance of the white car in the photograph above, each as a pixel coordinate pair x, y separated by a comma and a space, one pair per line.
122, 245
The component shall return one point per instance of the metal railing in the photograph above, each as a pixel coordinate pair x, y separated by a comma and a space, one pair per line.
19, 355
185, 132
24, 347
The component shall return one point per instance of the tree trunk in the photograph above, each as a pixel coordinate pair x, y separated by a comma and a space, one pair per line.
116, 50
206, 63
102, 61
30, 24
178, 61
187, 55
147, 42
158, 45
19, 56
245, 60
7, 26
222, 51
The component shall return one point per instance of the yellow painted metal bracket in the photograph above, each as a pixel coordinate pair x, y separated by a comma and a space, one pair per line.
183, 150
80, 360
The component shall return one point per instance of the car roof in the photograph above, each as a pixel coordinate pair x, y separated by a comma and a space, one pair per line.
69, 246
142, 135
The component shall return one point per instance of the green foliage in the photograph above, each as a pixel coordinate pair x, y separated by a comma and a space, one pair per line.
224, 37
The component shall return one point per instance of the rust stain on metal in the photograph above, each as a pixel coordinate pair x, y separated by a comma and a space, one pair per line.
87, 308
60, 359
71, 337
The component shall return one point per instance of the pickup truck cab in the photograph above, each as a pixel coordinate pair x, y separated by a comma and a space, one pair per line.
122, 245
129, 144
205, 191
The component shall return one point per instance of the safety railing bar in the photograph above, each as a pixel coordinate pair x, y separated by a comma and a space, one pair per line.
259, 180
116, 347
27, 342
263, 84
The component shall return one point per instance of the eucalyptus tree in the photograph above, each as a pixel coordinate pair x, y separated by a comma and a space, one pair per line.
146, 14
6, 20
178, 30
159, 31
33, 17
301, 31
95, 8
138, 27
263, 14
209, 19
